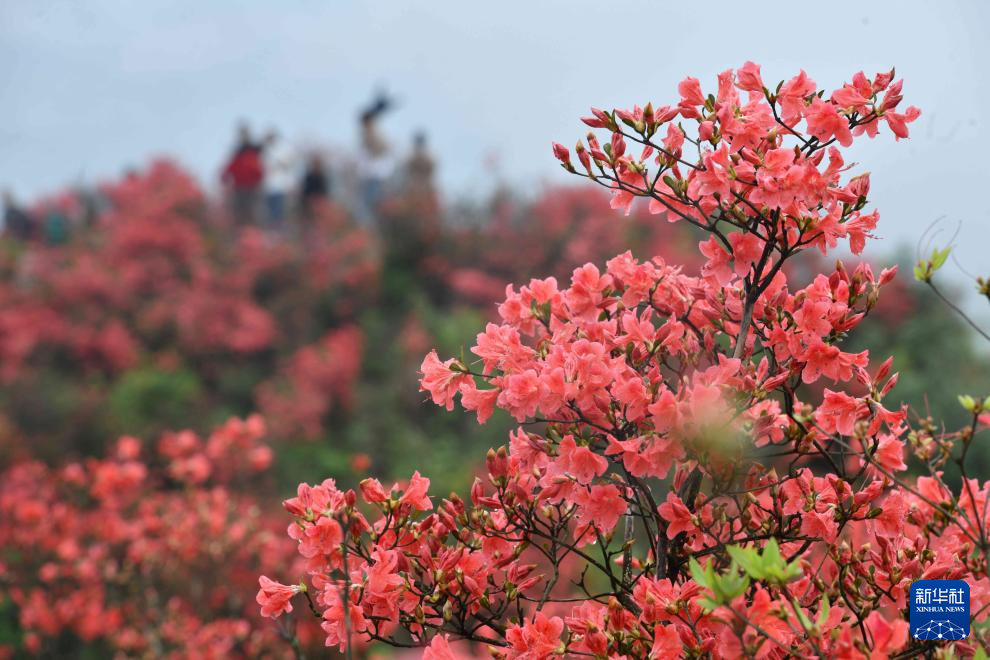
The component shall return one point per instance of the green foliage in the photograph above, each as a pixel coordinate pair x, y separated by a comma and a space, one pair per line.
147, 401
974, 405
10, 631
724, 587
925, 269
767, 566
44, 401
748, 564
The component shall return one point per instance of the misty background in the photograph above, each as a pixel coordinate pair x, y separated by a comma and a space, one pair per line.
91, 88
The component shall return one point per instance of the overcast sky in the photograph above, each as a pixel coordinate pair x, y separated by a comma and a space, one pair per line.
90, 87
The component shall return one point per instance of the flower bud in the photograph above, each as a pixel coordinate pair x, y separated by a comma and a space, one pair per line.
562, 154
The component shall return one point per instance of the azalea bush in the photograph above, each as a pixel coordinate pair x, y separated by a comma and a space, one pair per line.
159, 301
148, 552
700, 469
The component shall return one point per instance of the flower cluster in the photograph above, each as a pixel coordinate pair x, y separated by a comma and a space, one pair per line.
145, 551
701, 470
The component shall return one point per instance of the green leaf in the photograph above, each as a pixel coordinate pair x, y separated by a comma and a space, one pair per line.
708, 603
703, 576
768, 566
771, 553
802, 617
732, 584
939, 257
749, 560
724, 587
823, 612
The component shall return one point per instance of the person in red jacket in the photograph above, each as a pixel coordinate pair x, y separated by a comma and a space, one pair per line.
243, 176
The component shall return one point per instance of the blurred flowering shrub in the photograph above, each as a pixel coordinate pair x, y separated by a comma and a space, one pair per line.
149, 552
562, 228
158, 282
669, 442
313, 380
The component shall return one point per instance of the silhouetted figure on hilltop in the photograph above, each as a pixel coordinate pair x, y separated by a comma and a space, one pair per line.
315, 187
377, 153
420, 168
279, 162
17, 222
57, 225
243, 176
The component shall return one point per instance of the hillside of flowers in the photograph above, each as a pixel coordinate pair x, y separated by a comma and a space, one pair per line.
687, 430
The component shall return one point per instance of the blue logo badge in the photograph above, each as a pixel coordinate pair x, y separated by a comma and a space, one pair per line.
939, 609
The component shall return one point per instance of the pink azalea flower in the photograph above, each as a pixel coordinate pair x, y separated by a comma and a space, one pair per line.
439, 649
416, 493
582, 463
275, 597
539, 638
677, 515
440, 380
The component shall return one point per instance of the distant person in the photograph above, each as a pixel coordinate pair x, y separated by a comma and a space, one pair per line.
278, 160
376, 152
17, 223
315, 186
57, 226
243, 176
420, 167
92, 204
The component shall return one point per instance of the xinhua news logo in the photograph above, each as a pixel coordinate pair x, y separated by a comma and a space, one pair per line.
940, 610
